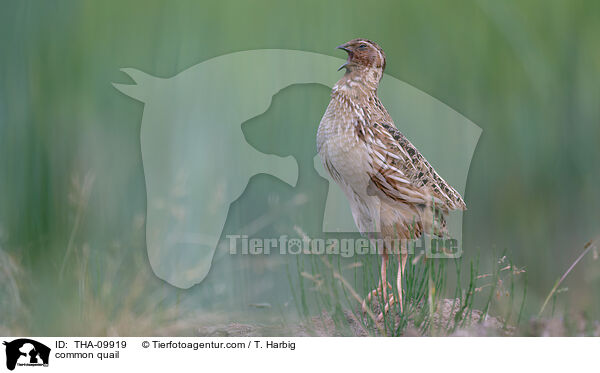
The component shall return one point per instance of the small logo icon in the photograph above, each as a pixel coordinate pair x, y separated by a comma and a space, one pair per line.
26, 352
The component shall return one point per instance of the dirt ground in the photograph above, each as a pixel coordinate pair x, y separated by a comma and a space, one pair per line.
324, 325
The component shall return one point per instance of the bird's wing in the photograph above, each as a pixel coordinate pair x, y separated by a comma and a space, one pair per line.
400, 173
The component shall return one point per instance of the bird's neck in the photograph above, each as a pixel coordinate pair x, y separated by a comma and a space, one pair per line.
359, 81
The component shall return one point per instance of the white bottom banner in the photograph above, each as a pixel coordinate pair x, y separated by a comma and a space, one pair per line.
162, 354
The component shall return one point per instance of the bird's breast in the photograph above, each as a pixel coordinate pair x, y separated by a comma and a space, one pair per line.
343, 154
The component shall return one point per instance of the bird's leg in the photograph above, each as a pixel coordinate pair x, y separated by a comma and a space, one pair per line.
386, 301
380, 288
384, 277
401, 267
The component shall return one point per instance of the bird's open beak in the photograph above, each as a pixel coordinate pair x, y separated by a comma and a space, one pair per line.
345, 48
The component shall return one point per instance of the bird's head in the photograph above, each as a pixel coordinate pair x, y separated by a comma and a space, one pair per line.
363, 54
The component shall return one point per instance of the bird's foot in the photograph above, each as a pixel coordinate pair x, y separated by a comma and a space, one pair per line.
389, 304
376, 292
386, 308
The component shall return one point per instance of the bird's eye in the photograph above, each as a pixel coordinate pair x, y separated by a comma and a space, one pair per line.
362, 46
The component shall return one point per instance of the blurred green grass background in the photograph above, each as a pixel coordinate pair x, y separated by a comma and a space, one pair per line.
527, 73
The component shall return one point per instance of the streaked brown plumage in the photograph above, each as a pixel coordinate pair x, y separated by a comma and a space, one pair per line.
391, 187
